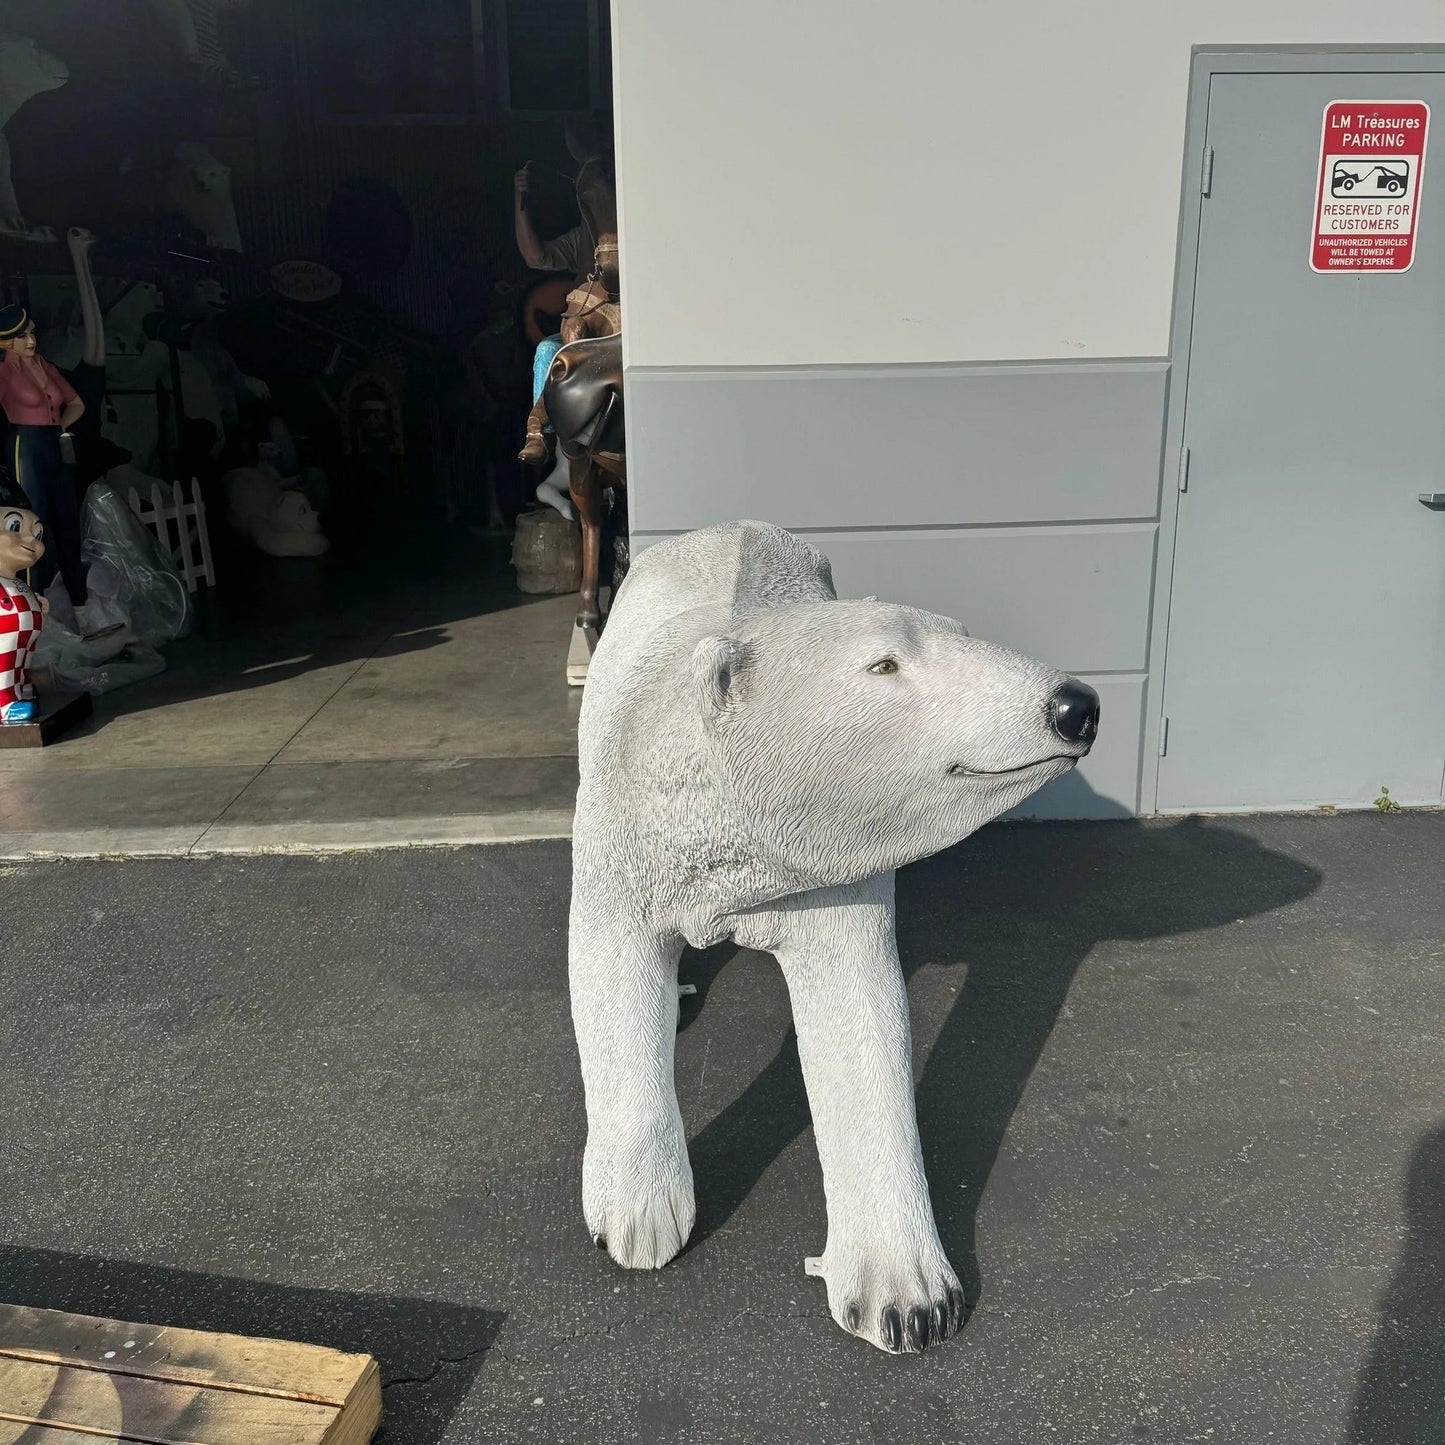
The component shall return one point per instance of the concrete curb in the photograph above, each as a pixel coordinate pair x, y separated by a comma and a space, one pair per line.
353, 835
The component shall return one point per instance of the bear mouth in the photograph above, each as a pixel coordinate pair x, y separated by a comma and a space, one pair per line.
958, 770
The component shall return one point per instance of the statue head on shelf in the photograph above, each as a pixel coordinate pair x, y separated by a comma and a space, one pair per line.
199, 187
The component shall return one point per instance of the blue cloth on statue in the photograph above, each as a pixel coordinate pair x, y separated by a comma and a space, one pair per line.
542, 364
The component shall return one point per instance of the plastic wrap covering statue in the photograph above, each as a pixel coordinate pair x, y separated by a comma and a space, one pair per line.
137, 572
134, 583
22, 613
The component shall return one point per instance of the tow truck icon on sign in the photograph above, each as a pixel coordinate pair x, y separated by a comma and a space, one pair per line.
1390, 177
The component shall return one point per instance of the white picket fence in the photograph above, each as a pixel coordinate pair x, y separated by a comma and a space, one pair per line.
180, 525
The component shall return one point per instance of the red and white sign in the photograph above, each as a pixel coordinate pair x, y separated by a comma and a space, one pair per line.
1372, 158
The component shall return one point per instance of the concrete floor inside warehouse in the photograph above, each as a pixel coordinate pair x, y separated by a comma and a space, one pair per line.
343, 701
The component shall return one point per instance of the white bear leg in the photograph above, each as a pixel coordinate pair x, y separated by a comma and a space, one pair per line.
637, 1191
888, 1278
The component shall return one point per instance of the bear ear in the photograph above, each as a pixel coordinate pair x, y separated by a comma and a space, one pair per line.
718, 665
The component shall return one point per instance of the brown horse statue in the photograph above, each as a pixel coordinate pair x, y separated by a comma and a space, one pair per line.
583, 394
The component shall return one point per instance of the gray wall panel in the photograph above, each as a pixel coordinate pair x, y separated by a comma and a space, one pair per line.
1041, 535
1077, 597
896, 446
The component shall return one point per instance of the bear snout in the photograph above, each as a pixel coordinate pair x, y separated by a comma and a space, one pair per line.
1074, 713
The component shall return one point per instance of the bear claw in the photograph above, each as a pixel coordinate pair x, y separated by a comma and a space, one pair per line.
638, 1205
901, 1309
649, 1230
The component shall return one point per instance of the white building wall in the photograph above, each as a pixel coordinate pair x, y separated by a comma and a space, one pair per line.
828, 181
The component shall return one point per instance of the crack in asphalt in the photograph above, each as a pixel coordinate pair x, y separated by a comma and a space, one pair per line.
444, 1363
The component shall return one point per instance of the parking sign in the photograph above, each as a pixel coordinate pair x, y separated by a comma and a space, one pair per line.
1372, 162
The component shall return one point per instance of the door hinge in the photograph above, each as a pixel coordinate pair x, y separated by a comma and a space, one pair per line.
1206, 173
1184, 469
1163, 737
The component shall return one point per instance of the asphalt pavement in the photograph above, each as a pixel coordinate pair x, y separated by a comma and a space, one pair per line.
1181, 1090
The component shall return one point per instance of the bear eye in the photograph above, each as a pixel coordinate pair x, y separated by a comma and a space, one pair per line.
884, 667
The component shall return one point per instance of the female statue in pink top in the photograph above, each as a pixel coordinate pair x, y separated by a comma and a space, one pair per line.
41, 405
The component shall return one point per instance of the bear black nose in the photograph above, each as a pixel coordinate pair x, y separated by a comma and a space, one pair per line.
1075, 712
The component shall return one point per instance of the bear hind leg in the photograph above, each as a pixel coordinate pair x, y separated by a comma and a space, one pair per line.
637, 1192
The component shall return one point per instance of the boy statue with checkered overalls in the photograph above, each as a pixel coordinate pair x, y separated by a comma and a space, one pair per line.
22, 613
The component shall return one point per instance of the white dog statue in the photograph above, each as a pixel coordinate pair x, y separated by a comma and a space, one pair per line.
757, 758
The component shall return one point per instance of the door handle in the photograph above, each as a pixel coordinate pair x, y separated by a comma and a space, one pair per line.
1434, 500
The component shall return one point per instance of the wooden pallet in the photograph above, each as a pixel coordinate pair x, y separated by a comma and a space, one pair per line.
75, 1380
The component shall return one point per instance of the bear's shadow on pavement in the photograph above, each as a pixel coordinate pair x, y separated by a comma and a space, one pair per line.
1019, 907
1401, 1392
428, 1353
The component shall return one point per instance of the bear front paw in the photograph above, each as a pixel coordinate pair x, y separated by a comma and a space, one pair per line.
640, 1213
897, 1302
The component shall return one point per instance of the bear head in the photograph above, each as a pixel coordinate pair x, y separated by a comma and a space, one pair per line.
293, 513
853, 737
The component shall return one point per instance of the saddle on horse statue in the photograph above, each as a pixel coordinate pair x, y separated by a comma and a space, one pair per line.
583, 396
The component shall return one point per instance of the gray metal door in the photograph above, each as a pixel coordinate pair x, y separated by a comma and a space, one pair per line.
1306, 635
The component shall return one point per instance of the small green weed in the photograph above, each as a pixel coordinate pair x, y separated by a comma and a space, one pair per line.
1385, 803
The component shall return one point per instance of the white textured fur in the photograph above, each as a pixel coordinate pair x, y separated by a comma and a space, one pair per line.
744, 775
279, 520
199, 187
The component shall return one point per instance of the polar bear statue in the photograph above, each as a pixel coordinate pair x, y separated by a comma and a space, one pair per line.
277, 519
757, 758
